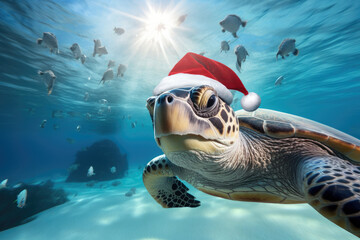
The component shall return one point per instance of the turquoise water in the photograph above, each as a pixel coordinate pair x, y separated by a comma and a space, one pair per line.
321, 83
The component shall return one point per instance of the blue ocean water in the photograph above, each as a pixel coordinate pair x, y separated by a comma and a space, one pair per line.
322, 83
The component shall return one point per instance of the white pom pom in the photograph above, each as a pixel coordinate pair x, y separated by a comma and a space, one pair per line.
250, 102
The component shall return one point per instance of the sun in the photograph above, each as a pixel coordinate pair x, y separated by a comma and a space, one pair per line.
158, 27
160, 31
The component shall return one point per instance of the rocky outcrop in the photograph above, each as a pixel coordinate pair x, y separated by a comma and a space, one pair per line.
39, 198
106, 159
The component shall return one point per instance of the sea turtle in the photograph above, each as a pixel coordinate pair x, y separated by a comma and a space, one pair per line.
260, 156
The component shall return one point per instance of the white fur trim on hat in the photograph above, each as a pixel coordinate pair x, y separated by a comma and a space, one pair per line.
250, 102
183, 80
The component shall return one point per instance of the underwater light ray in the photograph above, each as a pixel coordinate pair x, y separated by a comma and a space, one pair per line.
122, 13
173, 45
163, 51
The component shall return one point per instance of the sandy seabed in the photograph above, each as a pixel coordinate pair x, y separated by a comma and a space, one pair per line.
103, 212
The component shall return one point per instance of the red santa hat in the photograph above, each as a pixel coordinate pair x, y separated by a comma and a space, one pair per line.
195, 70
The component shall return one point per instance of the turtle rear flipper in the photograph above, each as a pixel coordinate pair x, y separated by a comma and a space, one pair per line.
164, 187
332, 187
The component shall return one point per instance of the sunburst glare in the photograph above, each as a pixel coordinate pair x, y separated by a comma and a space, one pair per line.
159, 30
158, 26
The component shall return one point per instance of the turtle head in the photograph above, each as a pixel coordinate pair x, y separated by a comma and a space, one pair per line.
193, 119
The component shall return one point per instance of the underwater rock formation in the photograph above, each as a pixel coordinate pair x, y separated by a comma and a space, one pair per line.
39, 198
102, 156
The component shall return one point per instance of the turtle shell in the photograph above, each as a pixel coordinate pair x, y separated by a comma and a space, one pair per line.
282, 125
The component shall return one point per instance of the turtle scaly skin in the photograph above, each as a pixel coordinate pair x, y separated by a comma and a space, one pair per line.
265, 156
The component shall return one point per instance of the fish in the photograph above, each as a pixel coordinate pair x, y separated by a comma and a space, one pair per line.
286, 47
128, 194
131, 192
116, 183
57, 114
103, 101
102, 51
241, 54
232, 23
70, 140
49, 79
224, 46
83, 59
133, 124
90, 171
108, 75
21, 199
91, 184
74, 114
121, 70
43, 123
119, 31
3, 183
78, 128
181, 19
111, 64
109, 109
113, 169
100, 111
86, 96
279, 80
98, 49
75, 49
31, 110
50, 41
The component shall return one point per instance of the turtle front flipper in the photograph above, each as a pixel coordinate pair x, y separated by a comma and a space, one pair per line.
162, 184
332, 186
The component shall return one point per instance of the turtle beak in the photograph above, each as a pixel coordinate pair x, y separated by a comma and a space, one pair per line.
169, 115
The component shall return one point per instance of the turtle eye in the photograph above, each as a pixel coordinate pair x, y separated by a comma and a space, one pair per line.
204, 98
207, 100
211, 101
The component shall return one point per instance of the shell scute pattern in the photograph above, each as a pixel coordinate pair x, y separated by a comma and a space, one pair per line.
282, 125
